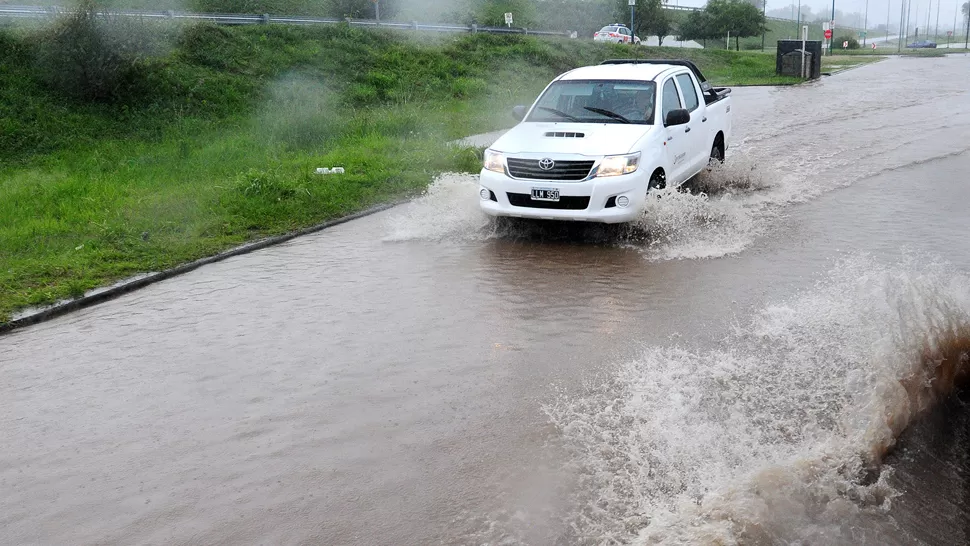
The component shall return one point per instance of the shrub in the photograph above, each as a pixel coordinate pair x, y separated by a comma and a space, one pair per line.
853, 43
90, 55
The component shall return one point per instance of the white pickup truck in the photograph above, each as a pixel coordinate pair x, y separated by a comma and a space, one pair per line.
600, 137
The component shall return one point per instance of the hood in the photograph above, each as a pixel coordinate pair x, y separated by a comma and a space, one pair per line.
598, 138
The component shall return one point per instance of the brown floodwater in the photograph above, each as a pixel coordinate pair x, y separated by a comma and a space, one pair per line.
726, 371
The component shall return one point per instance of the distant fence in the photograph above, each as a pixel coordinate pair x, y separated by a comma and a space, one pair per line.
35, 12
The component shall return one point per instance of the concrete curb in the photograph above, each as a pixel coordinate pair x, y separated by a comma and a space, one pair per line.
125, 287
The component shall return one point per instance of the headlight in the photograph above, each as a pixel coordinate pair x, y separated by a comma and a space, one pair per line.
616, 165
494, 161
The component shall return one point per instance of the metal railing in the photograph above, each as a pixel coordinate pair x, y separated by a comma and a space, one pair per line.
35, 12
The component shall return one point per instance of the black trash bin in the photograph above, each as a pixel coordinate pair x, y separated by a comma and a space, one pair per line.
813, 57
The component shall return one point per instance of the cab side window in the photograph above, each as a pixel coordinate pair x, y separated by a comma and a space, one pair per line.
671, 100
690, 94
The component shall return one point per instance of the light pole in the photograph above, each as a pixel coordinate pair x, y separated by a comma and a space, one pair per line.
956, 8
764, 12
902, 17
889, 10
966, 42
936, 33
832, 40
633, 29
909, 7
916, 35
865, 25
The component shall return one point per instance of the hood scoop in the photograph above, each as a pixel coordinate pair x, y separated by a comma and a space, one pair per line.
562, 134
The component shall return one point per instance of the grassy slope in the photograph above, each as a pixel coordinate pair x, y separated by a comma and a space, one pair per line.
221, 145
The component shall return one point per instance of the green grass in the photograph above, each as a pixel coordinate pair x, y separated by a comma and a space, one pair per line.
838, 63
216, 139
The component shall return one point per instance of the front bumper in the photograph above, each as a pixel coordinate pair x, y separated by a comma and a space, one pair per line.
601, 193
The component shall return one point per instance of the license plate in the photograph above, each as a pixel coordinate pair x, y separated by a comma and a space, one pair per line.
545, 194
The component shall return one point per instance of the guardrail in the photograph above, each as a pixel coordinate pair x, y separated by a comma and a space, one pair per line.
35, 12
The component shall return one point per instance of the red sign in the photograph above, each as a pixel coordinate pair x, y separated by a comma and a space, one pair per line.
828, 34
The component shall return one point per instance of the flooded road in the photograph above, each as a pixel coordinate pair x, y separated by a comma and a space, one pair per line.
733, 370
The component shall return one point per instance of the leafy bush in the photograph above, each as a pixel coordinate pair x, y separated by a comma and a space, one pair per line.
853, 43
90, 55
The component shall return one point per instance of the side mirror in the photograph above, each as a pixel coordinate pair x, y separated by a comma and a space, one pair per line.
679, 116
519, 112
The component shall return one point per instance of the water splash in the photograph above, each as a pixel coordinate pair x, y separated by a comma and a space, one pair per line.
777, 434
448, 210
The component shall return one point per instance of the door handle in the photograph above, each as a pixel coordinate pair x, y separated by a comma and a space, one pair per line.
703, 120
687, 130
669, 138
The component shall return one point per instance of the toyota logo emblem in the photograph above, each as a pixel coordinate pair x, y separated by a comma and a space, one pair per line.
546, 164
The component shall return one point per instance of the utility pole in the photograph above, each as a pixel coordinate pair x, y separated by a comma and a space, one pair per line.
956, 8
929, 13
798, 24
865, 25
936, 34
764, 12
909, 6
916, 36
889, 8
377, 10
633, 29
832, 40
966, 42
902, 16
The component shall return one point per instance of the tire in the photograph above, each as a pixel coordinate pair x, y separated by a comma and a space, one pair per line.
717, 155
658, 181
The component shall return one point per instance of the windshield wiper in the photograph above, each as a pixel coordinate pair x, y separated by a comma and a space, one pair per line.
559, 113
607, 113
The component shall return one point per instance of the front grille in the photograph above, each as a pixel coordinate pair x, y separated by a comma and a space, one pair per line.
566, 202
562, 170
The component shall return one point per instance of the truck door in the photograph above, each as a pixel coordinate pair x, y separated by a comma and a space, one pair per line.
678, 140
696, 131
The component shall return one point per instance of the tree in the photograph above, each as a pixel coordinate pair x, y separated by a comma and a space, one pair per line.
738, 17
660, 25
651, 19
697, 26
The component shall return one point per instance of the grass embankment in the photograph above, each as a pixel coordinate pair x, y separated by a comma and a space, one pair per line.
215, 139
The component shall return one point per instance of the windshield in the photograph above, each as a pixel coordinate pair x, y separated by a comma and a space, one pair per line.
597, 101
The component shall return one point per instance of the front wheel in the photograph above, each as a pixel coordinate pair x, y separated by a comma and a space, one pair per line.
658, 181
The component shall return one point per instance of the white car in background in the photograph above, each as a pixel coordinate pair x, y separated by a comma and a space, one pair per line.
616, 33
599, 138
